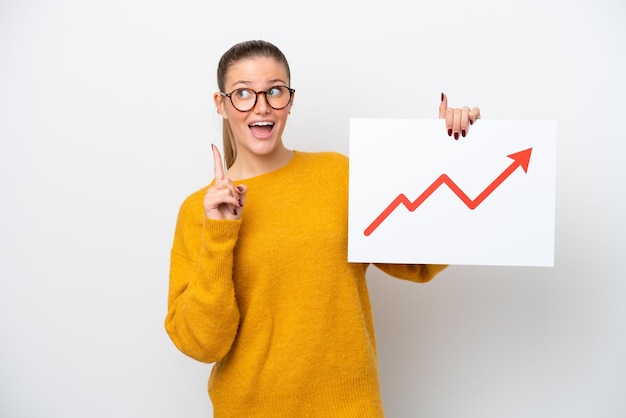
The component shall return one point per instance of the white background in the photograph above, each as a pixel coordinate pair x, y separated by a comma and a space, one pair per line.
106, 118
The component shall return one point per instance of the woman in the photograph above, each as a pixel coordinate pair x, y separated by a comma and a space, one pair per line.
259, 281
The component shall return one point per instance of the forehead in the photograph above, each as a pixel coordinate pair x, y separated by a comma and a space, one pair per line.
256, 71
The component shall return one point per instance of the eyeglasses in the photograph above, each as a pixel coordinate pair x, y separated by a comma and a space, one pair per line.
278, 97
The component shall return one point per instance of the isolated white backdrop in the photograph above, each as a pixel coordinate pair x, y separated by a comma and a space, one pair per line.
106, 118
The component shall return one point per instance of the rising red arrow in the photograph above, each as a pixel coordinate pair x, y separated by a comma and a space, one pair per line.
520, 159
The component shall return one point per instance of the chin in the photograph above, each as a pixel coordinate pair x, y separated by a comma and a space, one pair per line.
262, 147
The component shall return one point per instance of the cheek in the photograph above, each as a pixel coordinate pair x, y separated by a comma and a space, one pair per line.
237, 124
282, 114
233, 116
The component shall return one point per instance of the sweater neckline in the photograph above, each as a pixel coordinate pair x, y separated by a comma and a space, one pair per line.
296, 155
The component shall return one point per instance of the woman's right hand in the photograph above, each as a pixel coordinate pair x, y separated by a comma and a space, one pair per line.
223, 200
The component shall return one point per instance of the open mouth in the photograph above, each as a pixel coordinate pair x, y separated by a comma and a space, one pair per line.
261, 129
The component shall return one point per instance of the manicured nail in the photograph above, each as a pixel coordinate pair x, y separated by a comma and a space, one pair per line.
471, 121
240, 202
235, 211
240, 188
442, 96
450, 132
463, 133
456, 135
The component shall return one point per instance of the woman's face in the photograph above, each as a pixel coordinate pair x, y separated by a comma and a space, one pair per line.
258, 132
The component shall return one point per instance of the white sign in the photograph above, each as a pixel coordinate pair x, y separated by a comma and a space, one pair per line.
419, 196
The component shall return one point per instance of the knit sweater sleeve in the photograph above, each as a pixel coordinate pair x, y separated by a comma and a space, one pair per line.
203, 316
420, 273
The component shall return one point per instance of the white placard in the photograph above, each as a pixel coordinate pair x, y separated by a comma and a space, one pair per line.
419, 196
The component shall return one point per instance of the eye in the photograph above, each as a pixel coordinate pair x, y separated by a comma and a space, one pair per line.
243, 94
275, 91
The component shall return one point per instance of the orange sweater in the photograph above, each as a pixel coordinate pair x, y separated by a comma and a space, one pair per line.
273, 301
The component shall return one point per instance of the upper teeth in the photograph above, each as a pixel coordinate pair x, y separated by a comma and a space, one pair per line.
262, 124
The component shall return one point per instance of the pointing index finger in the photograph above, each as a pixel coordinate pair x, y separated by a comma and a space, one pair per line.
218, 167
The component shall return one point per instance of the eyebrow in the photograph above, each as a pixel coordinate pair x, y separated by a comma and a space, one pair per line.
273, 81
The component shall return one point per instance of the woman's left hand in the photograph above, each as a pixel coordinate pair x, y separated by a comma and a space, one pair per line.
458, 120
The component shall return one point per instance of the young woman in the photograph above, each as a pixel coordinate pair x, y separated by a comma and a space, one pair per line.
259, 281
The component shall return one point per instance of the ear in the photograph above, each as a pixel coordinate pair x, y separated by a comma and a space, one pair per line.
293, 98
219, 104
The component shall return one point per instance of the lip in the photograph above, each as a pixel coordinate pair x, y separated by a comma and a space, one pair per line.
261, 135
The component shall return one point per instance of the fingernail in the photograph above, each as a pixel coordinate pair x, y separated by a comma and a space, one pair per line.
240, 202
240, 188
442, 96
463, 133
471, 121
450, 132
235, 211
456, 135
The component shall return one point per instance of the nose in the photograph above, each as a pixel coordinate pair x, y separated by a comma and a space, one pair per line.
261, 106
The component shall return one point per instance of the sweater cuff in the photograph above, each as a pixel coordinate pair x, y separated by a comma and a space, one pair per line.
218, 242
220, 234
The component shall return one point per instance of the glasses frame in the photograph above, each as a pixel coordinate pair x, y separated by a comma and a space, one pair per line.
256, 97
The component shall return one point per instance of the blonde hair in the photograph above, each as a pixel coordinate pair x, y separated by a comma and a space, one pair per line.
243, 50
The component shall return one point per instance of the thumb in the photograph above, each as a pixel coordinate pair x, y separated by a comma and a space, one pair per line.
443, 106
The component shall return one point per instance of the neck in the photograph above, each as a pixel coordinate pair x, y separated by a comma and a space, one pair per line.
250, 165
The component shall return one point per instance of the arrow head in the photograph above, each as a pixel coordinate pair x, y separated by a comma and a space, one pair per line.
521, 159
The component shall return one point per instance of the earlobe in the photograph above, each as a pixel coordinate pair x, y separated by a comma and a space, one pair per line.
219, 104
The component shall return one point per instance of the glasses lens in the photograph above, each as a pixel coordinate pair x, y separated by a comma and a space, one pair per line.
243, 99
278, 97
